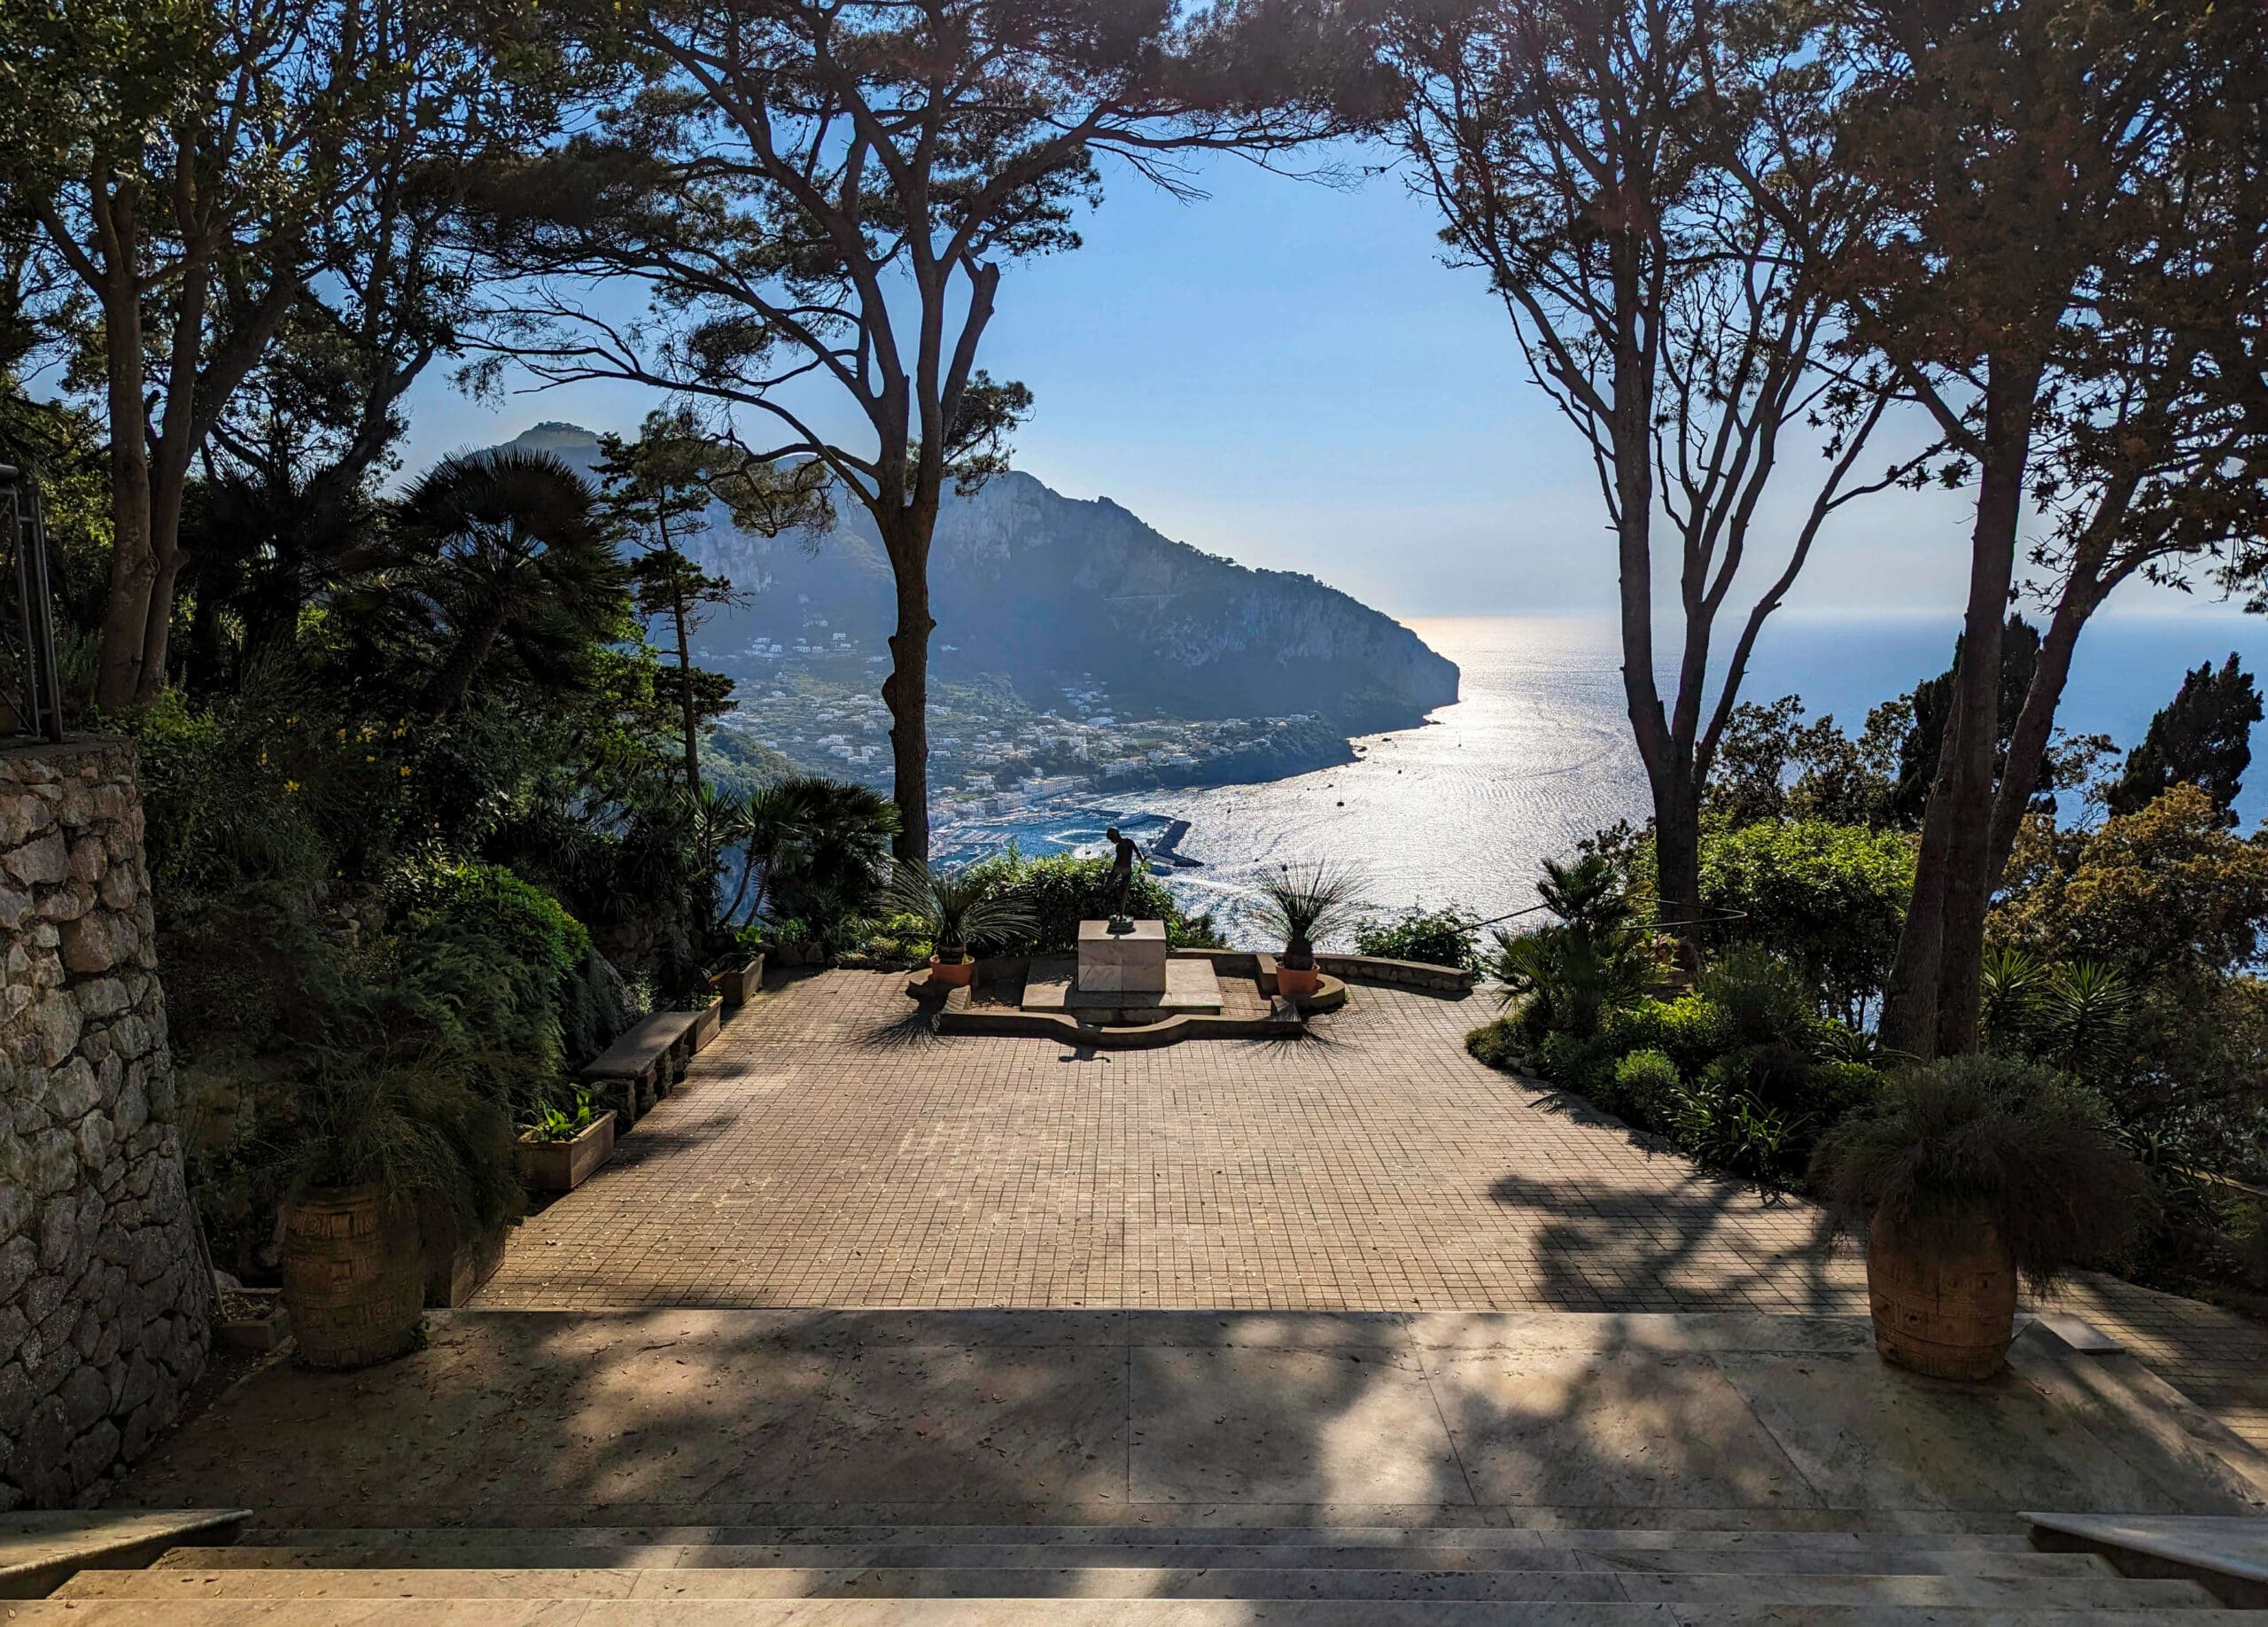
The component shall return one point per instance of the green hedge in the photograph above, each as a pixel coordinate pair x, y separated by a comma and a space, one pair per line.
1702, 1072
1062, 891
519, 972
1828, 899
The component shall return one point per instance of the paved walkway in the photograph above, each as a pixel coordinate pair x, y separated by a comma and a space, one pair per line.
827, 1150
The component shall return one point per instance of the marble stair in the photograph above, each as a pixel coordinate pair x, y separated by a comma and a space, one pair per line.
1137, 1576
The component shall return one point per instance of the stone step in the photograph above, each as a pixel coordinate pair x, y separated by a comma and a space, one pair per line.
1057, 1613
443, 1538
39, 1550
505, 1549
1135, 1582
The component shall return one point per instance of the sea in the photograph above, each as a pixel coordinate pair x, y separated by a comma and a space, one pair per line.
1536, 754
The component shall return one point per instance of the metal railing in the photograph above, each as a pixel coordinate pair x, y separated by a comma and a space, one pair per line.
31, 688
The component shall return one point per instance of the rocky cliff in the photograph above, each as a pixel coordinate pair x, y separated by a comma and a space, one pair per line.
1048, 590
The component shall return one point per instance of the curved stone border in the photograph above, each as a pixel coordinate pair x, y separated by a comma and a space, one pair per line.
1400, 974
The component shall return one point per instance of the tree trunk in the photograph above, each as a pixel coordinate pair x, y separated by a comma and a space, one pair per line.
157, 636
132, 570
906, 690
2036, 724
1932, 1005
684, 685
453, 680
1677, 862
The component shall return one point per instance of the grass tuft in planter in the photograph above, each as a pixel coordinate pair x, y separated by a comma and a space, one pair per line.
1963, 1175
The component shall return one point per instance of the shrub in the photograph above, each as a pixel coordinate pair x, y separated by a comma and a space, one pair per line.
1765, 999
1646, 1086
1447, 937
1731, 1129
1585, 1065
1300, 904
1693, 1030
1061, 891
514, 969
1499, 1044
1841, 1087
1593, 961
962, 909
1828, 899
1985, 1138
411, 1124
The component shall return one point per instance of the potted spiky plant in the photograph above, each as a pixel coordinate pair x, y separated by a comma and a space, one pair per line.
963, 909
1301, 904
1963, 1175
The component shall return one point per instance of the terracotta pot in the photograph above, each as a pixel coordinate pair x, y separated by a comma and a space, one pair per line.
1297, 984
953, 974
1948, 1314
354, 1277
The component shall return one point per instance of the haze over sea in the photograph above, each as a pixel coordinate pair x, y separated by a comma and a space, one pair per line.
1537, 754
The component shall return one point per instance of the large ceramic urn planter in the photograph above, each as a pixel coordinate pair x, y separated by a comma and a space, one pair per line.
1947, 1312
953, 974
354, 1277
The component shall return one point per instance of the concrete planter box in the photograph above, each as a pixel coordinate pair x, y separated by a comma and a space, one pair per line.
738, 984
562, 1166
458, 1263
258, 1334
712, 1020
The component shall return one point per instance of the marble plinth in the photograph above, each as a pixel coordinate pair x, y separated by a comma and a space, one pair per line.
1123, 962
1190, 987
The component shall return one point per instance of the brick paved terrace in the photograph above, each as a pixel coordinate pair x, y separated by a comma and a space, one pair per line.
829, 1151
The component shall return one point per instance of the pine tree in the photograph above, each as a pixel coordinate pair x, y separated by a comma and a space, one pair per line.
2203, 737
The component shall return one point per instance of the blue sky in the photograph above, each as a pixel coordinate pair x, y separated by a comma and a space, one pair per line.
1286, 373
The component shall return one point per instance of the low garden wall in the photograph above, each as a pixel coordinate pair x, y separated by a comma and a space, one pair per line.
1402, 974
104, 1300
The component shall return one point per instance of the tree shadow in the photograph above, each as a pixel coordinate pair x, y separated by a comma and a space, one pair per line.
669, 1427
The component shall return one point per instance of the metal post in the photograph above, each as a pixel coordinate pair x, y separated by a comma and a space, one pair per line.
34, 606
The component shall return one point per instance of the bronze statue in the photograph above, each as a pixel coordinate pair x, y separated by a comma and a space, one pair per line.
1120, 881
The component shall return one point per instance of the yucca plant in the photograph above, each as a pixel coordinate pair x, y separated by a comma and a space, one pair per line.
962, 907
1304, 902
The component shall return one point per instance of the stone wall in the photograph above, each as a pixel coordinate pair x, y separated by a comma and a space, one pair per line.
1402, 974
105, 1303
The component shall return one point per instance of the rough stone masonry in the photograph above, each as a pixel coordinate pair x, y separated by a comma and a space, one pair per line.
105, 1314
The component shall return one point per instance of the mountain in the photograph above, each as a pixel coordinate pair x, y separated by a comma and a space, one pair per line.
1049, 591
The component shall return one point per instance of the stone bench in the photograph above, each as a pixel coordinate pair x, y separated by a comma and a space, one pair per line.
638, 1069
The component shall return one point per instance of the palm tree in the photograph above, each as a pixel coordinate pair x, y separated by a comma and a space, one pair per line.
506, 549
960, 907
817, 849
1592, 959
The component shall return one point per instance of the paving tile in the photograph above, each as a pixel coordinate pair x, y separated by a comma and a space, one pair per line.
1254, 1424
929, 1424
1610, 1428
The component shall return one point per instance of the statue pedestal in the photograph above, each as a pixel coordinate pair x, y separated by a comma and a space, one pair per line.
1123, 962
